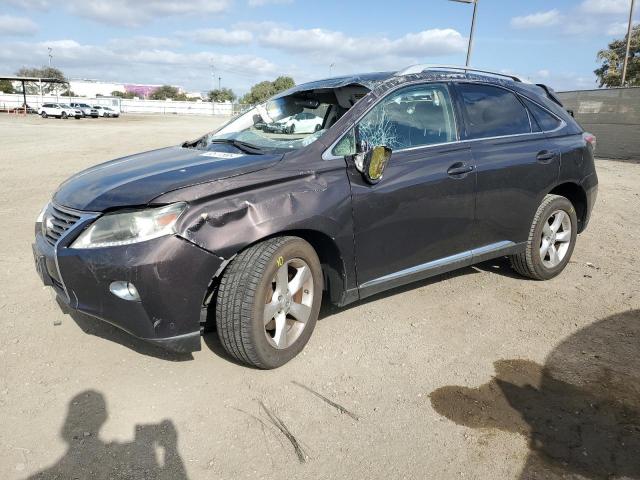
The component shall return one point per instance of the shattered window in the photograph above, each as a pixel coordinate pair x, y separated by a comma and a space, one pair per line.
411, 117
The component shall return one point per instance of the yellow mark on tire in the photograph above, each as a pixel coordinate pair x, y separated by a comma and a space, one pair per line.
280, 261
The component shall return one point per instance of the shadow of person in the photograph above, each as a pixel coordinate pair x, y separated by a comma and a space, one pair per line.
152, 454
580, 411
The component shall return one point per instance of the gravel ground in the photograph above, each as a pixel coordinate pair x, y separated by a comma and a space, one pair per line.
475, 374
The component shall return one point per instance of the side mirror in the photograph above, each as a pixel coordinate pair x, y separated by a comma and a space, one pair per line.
374, 162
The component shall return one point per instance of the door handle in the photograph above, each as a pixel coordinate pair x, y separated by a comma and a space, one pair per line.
457, 170
545, 156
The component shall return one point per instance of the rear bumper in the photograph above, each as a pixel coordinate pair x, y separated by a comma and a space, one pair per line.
170, 274
590, 186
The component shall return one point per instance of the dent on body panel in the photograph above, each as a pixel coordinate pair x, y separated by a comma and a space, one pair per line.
243, 216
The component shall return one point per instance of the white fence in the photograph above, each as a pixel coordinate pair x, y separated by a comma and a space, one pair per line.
167, 107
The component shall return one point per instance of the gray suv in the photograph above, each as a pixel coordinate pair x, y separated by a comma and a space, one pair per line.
411, 174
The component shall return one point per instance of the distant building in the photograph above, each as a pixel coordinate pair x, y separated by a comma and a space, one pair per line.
95, 88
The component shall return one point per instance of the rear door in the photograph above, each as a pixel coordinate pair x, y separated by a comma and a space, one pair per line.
418, 220
515, 164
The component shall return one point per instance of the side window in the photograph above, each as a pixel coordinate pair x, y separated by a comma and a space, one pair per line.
411, 117
346, 145
544, 119
492, 111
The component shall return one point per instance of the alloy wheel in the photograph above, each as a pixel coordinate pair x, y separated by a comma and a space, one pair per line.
288, 304
556, 238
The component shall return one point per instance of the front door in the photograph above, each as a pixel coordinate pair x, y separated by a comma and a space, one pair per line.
418, 220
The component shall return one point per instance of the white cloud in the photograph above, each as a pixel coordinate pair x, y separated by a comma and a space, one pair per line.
129, 13
537, 20
142, 41
219, 36
435, 42
114, 62
618, 29
30, 4
134, 13
605, 6
261, 3
10, 25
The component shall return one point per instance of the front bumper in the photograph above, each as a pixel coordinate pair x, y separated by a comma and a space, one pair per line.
170, 274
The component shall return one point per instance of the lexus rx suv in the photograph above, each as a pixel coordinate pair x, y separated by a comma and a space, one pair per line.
411, 174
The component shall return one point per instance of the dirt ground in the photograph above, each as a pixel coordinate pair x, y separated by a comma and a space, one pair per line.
475, 374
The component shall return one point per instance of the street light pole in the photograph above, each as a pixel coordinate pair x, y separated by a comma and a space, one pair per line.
626, 56
473, 26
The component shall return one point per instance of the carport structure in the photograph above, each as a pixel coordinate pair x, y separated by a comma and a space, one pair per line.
40, 81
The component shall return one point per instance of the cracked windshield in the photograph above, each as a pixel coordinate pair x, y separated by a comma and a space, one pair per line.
286, 123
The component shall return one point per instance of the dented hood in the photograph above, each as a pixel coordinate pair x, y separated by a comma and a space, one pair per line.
138, 179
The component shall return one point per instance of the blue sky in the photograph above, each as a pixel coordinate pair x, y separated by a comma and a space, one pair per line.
178, 41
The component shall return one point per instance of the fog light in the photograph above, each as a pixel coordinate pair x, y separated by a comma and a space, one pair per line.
125, 290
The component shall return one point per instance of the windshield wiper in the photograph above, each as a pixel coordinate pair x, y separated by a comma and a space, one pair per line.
239, 144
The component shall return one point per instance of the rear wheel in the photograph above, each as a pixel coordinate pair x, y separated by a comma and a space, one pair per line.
268, 302
551, 240
64, 115
43, 114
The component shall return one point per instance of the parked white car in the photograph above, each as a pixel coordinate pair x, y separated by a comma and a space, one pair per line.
74, 112
87, 110
106, 111
303, 122
58, 110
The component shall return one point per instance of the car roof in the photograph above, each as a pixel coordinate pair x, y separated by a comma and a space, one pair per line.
368, 80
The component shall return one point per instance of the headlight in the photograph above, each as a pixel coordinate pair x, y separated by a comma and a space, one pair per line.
41, 214
131, 227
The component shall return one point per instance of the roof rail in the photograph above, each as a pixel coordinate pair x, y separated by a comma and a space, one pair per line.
419, 68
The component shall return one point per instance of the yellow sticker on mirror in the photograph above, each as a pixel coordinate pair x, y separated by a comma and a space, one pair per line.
280, 261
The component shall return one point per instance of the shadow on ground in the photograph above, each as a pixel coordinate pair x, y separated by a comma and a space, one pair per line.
153, 453
580, 411
99, 328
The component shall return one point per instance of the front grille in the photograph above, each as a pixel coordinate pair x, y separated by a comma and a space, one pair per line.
56, 222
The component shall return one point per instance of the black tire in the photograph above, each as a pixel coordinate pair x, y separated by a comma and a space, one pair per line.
292, 128
240, 302
529, 262
43, 114
64, 115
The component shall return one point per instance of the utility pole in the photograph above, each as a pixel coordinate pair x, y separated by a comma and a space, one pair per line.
50, 55
473, 27
219, 83
626, 56
213, 76
331, 69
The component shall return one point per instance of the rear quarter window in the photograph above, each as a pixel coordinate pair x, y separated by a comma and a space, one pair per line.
546, 120
492, 111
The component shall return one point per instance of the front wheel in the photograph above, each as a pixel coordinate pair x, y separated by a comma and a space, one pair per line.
64, 115
268, 301
551, 241
43, 114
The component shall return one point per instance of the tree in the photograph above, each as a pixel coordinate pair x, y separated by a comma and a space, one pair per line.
612, 58
165, 92
263, 90
222, 95
6, 86
43, 72
118, 93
